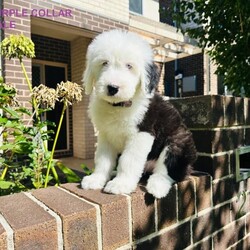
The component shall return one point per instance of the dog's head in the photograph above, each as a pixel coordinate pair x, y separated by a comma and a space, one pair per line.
119, 64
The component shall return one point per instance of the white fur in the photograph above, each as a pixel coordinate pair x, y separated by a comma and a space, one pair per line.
160, 182
129, 49
120, 59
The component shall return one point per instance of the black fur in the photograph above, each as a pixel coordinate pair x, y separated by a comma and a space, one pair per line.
153, 75
164, 122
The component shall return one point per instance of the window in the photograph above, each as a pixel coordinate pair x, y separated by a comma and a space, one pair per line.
242, 163
135, 6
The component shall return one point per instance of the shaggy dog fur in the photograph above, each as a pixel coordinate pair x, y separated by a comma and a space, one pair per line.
145, 131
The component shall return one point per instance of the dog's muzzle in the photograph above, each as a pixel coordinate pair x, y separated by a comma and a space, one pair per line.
112, 90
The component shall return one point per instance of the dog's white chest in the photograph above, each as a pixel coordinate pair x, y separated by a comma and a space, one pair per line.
117, 130
117, 126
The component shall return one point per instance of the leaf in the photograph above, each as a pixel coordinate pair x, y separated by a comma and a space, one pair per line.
11, 112
70, 175
6, 184
86, 170
24, 111
3, 120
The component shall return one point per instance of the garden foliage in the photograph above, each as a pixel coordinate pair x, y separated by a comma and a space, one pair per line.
25, 161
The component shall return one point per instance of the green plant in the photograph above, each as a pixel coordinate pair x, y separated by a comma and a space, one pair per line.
25, 161
86, 170
23, 157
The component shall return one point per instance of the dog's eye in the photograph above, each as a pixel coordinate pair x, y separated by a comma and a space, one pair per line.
129, 66
105, 63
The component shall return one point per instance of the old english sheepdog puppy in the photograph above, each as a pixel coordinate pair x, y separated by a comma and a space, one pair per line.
138, 131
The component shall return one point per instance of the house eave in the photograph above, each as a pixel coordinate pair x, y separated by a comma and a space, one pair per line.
168, 43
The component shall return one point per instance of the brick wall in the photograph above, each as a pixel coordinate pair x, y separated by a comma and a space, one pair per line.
84, 136
198, 213
53, 50
92, 18
189, 66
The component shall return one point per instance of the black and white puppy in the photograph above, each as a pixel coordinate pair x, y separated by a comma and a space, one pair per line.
131, 121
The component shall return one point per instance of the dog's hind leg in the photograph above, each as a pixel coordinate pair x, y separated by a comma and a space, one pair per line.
159, 183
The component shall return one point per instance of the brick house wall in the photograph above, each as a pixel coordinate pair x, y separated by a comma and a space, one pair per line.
53, 50
114, 16
84, 136
189, 66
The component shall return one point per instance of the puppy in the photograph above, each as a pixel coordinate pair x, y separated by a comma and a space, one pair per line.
134, 123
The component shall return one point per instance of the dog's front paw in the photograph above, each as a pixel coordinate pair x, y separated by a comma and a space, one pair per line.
120, 186
94, 181
159, 185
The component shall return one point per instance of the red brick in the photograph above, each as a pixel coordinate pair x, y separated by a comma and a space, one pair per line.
203, 192
221, 217
176, 238
202, 226
98, 19
247, 136
3, 238
78, 217
242, 244
33, 227
201, 111
108, 22
223, 190
121, 26
186, 201
167, 209
104, 26
247, 110
218, 140
143, 213
114, 214
230, 118
86, 16
92, 23
205, 244
248, 223
229, 235
239, 108
216, 166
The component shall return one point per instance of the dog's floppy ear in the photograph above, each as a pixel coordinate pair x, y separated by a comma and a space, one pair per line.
88, 79
150, 78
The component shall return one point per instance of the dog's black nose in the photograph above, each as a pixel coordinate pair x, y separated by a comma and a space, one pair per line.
112, 90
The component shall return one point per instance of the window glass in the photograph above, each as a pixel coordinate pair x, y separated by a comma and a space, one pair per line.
135, 6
